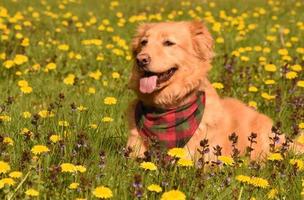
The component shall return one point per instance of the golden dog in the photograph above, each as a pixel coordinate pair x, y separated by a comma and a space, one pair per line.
172, 61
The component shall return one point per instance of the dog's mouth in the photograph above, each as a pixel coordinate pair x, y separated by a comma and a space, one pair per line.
152, 81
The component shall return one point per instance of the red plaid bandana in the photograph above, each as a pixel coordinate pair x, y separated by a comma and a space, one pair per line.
172, 127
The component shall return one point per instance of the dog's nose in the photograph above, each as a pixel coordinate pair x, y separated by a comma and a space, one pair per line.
143, 60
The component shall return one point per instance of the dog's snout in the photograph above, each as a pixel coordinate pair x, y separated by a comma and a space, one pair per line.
143, 60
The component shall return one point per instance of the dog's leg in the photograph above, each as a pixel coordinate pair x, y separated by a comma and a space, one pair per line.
135, 141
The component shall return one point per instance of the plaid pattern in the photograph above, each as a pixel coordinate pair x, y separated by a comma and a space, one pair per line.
173, 127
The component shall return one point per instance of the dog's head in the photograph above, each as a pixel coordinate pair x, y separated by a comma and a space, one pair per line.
171, 60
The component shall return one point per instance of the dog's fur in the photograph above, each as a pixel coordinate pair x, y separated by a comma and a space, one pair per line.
192, 55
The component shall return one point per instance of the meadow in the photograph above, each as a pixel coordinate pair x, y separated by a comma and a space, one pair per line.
64, 69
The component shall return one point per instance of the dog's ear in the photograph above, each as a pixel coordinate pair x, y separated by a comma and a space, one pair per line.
140, 32
202, 40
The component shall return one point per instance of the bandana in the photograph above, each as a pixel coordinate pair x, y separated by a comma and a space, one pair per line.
171, 127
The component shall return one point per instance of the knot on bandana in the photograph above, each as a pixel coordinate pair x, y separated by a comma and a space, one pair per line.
171, 127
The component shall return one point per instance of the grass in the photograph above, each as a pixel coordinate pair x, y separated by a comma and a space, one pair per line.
254, 34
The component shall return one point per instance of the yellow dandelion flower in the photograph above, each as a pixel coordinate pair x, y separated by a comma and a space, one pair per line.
69, 79
8, 141
269, 82
32, 192
300, 84
8, 64
252, 89
51, 66
219, 40
55, 138
115, 75
155, 188
173, 195
26, 89
107, 119
73, 186
177, 152
267, 96
291, 75
81, 168
283, 52
63, 47
298, 163
7, 181
103, 192
68, 167
218, 85
91, 90
26, 115
274, 156
148, 166
110, 101
301, 125
15, 174
93, 126
4, 167
63, 123
22, 83
227, 160
253, 104
259, 182
185, 162
20, 59
5, 118
39, 149
296, 68
270, 67
81, 108
272, 194
95, 75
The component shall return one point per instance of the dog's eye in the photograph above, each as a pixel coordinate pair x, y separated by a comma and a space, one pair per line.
169, 43
143, 42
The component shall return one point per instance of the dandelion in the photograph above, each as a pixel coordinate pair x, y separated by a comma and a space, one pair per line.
68, 167
63, 123
291, 75
148, 166
253, 104
272, 194
26, 115
298, 163
296, 68
50, 66
103, 192
91, 90
274, 156
39, 149
185, 162
155, 188
107, 119
217, 85
15, 174
270, 67
227, 160
173, 195
300, 84
8, 64
20, 59
4, 167
55, 138
7, 181
69, 80
269, 82
73, 186
110, 101
81, 168
115, 75
63, 47
177, 152
252, 89
255, 181
8, 141
32, 192
267, 96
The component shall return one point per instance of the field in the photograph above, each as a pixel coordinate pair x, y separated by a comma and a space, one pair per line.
64, 69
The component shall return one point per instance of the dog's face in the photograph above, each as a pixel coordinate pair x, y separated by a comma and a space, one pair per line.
171, 59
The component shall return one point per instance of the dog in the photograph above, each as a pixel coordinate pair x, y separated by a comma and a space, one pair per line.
176, 104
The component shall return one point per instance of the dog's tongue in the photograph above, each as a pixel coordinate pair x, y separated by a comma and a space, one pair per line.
147, 84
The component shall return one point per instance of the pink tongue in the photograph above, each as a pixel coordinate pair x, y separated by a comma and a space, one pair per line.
147, 84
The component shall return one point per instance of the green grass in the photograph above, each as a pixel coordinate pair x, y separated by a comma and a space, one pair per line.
82, 144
